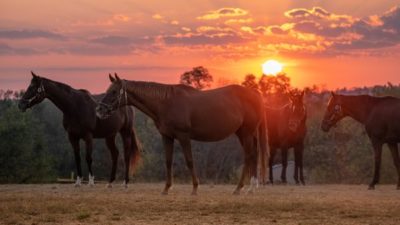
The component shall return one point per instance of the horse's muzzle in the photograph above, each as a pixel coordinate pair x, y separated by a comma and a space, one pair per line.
325, 126
23, 106
102, 112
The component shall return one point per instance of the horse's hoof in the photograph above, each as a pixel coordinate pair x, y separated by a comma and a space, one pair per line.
77, 185
250, 192
371, 187
398, 187
125, 184
164, 193
236, 192
109, 185
91, 180
194, 193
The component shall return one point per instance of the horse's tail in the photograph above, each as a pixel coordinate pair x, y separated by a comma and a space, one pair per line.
136, 148
263, 152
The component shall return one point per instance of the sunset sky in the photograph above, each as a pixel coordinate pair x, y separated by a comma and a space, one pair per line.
337, 43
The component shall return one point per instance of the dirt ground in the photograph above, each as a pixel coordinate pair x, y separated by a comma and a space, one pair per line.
143, 204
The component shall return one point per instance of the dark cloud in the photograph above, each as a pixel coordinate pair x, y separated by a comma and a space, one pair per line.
112, 40
202, 39
120, 41
8, 50
223, 12
384, 34
29, 34
301, 13
345, 31
277, 30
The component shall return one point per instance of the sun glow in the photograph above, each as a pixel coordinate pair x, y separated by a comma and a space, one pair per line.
271, 67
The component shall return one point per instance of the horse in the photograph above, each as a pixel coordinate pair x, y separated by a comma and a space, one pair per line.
80, 122
381, 119
184, 113
287, 129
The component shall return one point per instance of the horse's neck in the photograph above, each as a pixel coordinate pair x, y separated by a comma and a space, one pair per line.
148, 97
357, 107
58, 96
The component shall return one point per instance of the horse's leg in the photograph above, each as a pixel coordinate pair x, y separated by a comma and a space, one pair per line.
89, 150
127, 143
396, 159
271, 162
187, 152
296, 165
253, 167
301, 151
110, 142
247, 160
169, 153
75, 145
378, 157
284, 152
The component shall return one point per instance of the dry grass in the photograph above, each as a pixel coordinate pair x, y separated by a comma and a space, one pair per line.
143, 204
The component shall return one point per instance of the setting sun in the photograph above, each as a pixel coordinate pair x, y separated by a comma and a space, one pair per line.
271, 67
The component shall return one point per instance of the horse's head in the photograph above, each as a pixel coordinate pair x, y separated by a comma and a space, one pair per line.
334, 112
35, 93
114, 98
297, 110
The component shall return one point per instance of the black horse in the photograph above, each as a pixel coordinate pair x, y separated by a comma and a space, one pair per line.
380, 117
287, 129
80, 122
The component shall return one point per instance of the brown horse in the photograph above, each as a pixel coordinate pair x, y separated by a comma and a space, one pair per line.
184, 113
287, 129
380, 117
80, 122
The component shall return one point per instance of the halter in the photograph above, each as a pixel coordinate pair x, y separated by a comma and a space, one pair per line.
279, 108
337, 111
40, 93
122, 93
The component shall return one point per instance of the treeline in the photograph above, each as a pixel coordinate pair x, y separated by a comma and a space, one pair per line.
34, 145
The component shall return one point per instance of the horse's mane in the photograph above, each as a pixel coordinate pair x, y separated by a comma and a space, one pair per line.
68, 89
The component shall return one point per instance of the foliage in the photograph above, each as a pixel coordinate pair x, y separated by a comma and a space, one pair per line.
198, 77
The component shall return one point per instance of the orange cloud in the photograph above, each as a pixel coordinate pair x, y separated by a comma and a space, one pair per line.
223, 12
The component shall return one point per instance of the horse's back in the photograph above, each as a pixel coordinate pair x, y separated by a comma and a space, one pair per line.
211, 115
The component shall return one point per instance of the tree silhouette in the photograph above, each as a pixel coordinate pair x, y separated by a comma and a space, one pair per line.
278, 84
250, 81
198, 77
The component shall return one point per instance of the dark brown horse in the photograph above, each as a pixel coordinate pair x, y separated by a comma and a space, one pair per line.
80, 122
184, 113
287, 129
380, 117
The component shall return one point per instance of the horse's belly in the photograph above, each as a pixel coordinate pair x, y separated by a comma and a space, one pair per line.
214, 130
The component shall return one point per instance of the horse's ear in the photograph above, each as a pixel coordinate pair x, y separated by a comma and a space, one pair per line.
333, 94
34, 75
117, 77
112, 79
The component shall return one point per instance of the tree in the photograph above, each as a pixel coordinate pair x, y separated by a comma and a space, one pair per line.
278, 84
24, 155
198, 77
250, 81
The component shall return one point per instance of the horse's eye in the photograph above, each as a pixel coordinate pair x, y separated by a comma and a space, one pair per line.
337, 108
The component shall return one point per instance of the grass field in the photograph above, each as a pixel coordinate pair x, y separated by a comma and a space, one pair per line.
143, 204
